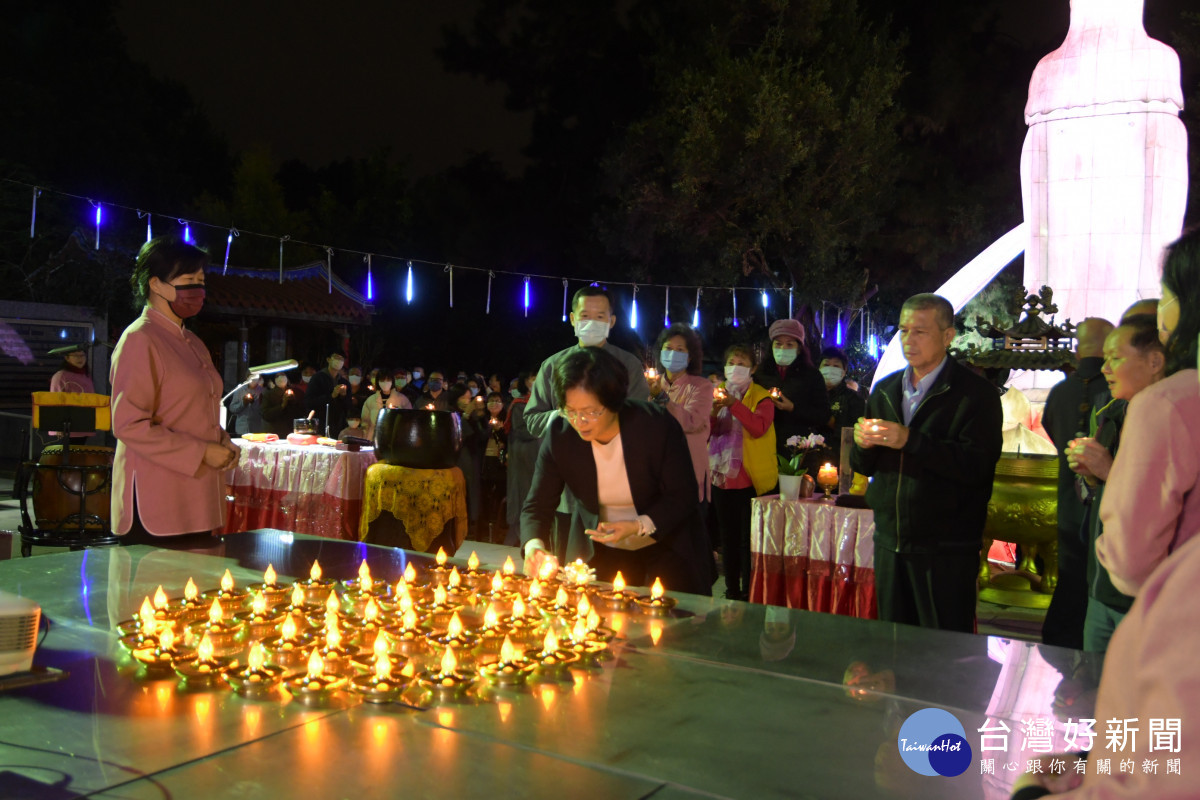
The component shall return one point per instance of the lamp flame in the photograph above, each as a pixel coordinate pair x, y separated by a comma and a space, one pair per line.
508, 652
550, 644
331, 604
288, 631
410, 573
560, 598
314, 574
473, 562
406, 602
227, 582
204, 652
439, 595
440, 558
269, 576
656, 591
401, 587
547, 569
535, 589
593, 620
410, 620
257, 658
160, 598
449, 662
333, 638
509, 568
146, 612
381, 647
316, 665
190, 591
584, 609
259, 604
364, 577
518, 607
455, 580
618, 583
497, 583
455, 628
371, 612
383, 667
580, 631
297, 595
166, 638
490, 618
214, 611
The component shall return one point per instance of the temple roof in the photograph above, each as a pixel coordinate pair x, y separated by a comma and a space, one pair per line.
306, 293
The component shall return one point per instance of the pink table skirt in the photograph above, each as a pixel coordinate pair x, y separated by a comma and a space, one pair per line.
812, 555
311, 490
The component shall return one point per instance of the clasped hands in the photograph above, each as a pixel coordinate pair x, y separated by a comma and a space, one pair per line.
1089, 458
870, 433
220, 456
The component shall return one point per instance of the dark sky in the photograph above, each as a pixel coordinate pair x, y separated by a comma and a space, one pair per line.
321, 81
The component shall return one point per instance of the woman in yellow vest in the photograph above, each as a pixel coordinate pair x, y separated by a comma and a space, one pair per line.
741, 454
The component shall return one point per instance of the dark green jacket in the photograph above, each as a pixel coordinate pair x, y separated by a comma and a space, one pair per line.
932, 496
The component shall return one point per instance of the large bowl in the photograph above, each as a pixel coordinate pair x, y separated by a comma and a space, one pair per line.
418, 439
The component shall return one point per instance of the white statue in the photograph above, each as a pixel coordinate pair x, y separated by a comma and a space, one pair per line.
1104, 166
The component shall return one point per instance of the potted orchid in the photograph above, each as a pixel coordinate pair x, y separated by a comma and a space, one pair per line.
792, 473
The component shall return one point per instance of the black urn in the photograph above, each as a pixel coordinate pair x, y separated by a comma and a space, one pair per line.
418, 438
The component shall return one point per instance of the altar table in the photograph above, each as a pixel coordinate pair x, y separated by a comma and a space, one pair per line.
311, 489
811, 554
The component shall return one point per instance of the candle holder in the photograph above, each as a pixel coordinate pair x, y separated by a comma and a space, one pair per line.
512, 669
189, 608
439, 573
315, 690
656, 604
222, 632
590, 648
316, 588
159, 660
261, 620
202, 668
454, 636
275, 593
375, 689
449, 682
551, 662
259, 680
474, 577
231, 598
291, 649
617, 599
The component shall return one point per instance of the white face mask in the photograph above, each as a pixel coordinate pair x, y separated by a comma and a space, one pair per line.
306, 378
833, 375
336, 365
591, 332
737, 374
784, 357
385, 385
355, 380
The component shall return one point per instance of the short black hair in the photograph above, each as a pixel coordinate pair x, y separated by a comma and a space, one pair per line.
591, 291
496, 395
944, 312
691, 338
1143, 333
592, 369
165, 258
743, 349
1181, 274
454, 394
522, 378
838, 353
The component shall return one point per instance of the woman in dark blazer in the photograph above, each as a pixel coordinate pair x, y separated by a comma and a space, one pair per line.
627, 464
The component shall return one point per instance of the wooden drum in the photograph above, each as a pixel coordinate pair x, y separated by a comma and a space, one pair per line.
57, 492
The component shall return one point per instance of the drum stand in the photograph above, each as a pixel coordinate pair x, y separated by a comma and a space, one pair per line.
77, 530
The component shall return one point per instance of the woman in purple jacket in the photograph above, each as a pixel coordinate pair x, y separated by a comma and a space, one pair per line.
166, 395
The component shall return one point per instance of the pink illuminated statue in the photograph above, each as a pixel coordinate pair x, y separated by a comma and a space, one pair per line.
1104, 166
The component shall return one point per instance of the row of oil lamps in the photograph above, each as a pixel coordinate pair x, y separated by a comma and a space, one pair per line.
496, 629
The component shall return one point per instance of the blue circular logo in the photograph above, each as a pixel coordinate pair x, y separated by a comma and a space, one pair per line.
933, 742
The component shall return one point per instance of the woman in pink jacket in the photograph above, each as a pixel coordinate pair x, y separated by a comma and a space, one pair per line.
166, 394
1151, 504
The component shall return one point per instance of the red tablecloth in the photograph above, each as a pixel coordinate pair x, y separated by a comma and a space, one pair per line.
313, 490
813, 555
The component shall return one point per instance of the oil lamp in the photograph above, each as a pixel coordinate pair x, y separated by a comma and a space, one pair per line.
562, 602
204, 667
382, 648
618, 599
316, 687
359, 590
525, 628
586, 644
827, 477
162, 606
331, 609
439, 573
316, 588
144, 622
449, 682
656, 604
512, 581
364, 629
474, 577
494, 630
189, 608
442, 607
291, 648
414, 579
223, 632
259, 679
512, 669
275, 592
578, 576
651, 374
499, 596
406, 636
262, 619
456, 590
403, 595
158, 659
551, 661
230, 598
455, 635
378, 685
299, 607
336, 651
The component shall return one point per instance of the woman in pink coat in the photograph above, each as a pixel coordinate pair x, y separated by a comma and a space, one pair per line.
171, 450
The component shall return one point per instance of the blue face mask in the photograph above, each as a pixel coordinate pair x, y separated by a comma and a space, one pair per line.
673, 360
516, 393
435, 385
474, 391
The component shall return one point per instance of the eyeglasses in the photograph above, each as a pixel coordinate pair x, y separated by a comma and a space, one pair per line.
582, 416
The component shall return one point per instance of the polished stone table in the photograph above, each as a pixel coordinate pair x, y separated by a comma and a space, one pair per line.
726, 699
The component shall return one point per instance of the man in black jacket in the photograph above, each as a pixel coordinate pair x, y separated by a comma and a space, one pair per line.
930, 441
1067, 416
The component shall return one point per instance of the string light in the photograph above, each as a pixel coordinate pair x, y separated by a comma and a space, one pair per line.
667, 308
733, 292
450, 270
526, 301
488, 309
790, 314
696, 311
187, 231
408, 286
146, 214
282, 239
99, 216
370, 284
838, 338
873, 345
228, 244
633, 309
766, 301
33, 216
564, 300
329, 267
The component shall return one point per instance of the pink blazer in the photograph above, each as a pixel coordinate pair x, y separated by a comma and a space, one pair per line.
690, 402
166, 397
1151, 502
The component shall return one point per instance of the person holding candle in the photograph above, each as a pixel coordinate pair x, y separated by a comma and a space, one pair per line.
474, 441
742, 457
930, 442
326, 395
687, 395
801, 402
628, 465
1151, 505
166, 394
280, 406
494, 476
845, 404
246, 407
